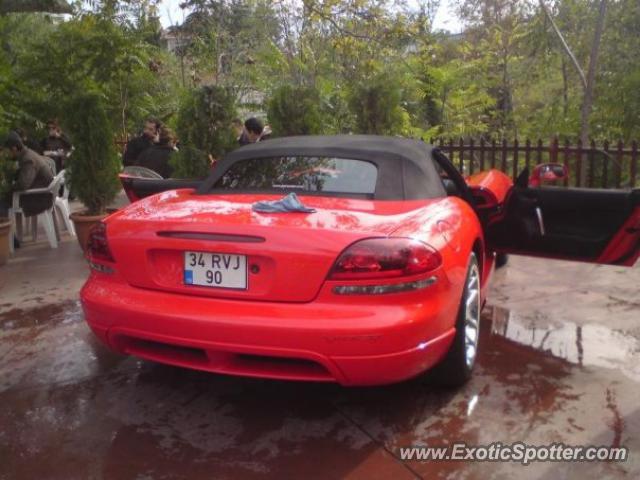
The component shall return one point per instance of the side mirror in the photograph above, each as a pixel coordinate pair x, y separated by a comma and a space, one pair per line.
548, 173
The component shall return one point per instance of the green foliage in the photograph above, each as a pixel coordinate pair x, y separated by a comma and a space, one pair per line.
204, 129
190, 162
48, 63
456, 106
295, 111
617, 109
377, 107
230, 43
332, 66
7, 173
23, 6
19, 33
94, 165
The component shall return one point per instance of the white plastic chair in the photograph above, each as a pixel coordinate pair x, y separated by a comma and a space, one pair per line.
46, 218
61, 203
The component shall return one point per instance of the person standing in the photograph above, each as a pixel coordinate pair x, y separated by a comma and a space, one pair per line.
157, 157
139, 144
56, 145
241, 134
256, 131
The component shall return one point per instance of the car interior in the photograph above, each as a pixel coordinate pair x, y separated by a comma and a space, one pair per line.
556, 221
568, 222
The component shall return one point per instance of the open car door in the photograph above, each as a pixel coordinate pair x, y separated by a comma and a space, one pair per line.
587, 225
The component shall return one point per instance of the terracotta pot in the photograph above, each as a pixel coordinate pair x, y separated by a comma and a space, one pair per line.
5, 228
84, 223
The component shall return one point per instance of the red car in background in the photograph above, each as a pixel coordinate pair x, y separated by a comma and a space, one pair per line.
384, 279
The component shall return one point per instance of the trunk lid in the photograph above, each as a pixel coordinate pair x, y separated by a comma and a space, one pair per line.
288, 255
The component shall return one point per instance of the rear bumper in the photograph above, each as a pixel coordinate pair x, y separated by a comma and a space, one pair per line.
348, 343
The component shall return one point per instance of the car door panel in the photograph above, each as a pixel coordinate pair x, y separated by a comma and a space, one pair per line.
571, 223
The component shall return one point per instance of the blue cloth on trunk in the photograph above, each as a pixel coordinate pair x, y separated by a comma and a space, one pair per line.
290, 203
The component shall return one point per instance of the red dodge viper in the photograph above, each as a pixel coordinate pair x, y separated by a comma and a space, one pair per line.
379, 278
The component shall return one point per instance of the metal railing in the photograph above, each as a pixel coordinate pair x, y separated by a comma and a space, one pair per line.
602, 165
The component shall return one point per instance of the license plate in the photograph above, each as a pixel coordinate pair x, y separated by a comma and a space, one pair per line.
222, 270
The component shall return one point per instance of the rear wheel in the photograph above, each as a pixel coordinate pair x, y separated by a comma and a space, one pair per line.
456, 367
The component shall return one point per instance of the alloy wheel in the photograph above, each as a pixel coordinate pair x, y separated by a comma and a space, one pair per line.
472, 316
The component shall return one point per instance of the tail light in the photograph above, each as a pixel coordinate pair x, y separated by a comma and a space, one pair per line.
98, 246
381, 258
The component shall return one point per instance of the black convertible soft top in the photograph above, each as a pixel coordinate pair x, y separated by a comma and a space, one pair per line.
406, 168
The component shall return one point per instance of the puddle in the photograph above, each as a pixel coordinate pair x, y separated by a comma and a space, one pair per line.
531, 384
583, 345
45, 315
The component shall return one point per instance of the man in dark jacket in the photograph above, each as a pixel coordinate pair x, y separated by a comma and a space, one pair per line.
139, 144
56, 145
157, 157
34, 171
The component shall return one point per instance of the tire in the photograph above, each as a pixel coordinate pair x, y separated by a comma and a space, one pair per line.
456, 367
501, 259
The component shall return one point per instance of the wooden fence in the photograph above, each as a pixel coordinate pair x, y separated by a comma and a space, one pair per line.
607, 165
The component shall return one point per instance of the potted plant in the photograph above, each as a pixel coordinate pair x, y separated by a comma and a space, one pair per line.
93, 168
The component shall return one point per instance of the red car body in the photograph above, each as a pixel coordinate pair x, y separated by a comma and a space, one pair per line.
289, 323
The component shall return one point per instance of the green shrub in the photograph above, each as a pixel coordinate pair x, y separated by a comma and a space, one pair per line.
377, 108
7, 174
295, 110
204, 128
190, 162
94, 166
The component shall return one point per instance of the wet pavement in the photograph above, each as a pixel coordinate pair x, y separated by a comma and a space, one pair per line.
559, 362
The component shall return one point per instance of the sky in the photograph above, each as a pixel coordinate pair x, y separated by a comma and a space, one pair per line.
446, 19
170, 13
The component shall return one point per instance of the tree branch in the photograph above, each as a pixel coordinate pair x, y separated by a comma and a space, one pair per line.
309, 5
566, 48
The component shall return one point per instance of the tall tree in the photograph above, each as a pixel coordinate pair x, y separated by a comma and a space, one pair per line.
588, 81
496, 28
